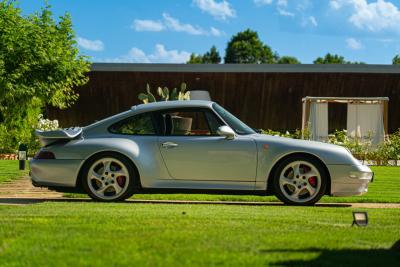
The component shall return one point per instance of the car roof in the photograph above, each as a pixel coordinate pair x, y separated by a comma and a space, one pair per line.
171, 104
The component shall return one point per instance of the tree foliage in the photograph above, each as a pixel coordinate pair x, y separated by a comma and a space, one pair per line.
288, 60
195, 59
330, 59
334, 59
210, 57
39, 65
246, 47
396, 60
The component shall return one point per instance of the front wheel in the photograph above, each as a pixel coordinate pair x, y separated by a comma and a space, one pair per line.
300, 181
108, 177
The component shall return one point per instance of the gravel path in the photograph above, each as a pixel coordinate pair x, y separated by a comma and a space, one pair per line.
22, 192
23, 188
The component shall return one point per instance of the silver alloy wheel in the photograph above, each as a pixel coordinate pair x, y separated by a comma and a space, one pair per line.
108, 178
300, 181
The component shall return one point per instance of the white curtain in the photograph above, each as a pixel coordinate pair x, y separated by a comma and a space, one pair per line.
318, 122
365, 121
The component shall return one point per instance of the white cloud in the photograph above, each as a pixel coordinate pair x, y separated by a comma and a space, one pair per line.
353, 44
263, 2
335, 4
159, 55
147, 25
172, 24
285, 13
216, 32
176, 26
168, 56
93, 45
137, 55
219, 10
375, 16
313, 21
283, 3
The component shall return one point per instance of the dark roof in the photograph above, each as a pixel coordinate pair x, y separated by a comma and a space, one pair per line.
273, 68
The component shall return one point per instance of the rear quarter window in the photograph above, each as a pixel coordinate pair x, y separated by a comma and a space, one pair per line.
141, 124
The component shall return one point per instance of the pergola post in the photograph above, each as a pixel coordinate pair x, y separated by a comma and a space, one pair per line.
385, 116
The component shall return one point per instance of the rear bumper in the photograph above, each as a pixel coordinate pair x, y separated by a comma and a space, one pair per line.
54, 172
349, 180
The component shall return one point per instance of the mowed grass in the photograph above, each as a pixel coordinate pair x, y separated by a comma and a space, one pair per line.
129, 234
9, 169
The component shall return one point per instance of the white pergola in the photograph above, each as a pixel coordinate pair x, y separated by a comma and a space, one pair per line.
315, 112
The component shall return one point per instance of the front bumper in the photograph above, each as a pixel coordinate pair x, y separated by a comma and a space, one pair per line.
349, 180
54, 172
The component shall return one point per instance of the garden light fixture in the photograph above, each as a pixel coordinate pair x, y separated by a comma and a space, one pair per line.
22, 152
360, 218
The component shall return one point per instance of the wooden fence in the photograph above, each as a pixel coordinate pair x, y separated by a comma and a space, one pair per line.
268, 100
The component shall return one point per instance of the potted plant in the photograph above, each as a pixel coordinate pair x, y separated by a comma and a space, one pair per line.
181, 125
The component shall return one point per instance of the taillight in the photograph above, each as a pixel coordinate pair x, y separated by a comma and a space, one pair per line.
44, 155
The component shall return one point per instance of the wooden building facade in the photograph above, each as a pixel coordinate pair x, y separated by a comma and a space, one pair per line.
263, 96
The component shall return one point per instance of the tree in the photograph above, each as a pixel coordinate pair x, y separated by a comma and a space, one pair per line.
246, 47
210, 57
330, 59
334, 59
195, 59
39, 66
396, 60
288, 60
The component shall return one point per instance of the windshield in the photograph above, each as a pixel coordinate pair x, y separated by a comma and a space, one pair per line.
238, 126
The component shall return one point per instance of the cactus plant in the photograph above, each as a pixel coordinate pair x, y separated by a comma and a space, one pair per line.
165, 94
183, 95
147, 98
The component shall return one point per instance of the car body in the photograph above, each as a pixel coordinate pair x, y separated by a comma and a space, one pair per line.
193, 146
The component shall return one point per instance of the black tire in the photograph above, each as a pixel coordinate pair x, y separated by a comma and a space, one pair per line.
310, 160
130, 188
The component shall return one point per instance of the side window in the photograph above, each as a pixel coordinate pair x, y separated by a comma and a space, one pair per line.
140, 124
213, 121
190, 122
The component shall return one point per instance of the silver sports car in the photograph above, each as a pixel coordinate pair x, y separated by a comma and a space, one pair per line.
192, 147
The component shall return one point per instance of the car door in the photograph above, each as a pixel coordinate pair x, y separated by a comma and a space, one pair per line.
192, 150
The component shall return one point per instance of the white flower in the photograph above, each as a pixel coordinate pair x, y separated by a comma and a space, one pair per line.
46, 124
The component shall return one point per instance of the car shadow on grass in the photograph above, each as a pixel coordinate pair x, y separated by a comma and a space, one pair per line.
26, 201
342, 257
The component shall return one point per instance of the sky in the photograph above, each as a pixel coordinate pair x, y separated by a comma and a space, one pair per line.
168, 31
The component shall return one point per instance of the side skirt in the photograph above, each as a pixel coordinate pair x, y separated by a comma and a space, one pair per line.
199, 191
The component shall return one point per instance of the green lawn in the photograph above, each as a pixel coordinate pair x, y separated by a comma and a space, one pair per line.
127, 234
9, 169
77, 233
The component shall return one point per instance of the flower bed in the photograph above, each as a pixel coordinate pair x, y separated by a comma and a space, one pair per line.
8, 156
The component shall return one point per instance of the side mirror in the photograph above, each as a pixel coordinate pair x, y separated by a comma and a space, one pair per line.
226, 131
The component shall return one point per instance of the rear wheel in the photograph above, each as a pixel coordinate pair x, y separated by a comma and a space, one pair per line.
108, 177
300, 181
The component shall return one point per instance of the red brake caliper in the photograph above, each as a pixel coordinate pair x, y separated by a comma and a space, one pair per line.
121, 180
313, 181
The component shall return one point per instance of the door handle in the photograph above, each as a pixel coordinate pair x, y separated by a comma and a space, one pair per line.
169, 145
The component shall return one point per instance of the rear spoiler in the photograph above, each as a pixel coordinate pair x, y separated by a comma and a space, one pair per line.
49, 137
